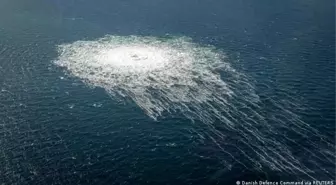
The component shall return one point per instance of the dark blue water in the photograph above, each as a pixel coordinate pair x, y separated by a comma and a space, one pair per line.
56, 130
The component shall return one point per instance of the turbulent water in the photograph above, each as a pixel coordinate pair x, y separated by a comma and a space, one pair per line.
159, 75
174, 75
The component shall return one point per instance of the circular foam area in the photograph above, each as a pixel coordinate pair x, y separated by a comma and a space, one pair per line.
176, 69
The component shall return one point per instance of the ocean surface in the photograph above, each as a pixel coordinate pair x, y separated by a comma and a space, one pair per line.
270, 115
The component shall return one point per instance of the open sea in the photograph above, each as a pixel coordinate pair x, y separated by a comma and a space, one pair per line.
161, 92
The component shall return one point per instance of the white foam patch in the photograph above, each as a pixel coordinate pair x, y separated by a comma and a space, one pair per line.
158, 75
176, 75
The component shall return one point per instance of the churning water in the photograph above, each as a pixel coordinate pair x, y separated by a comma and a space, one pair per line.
174, 75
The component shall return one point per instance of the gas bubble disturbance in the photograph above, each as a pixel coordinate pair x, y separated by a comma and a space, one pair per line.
168, 75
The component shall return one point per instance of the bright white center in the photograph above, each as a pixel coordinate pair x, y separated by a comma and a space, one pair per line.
138, 58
